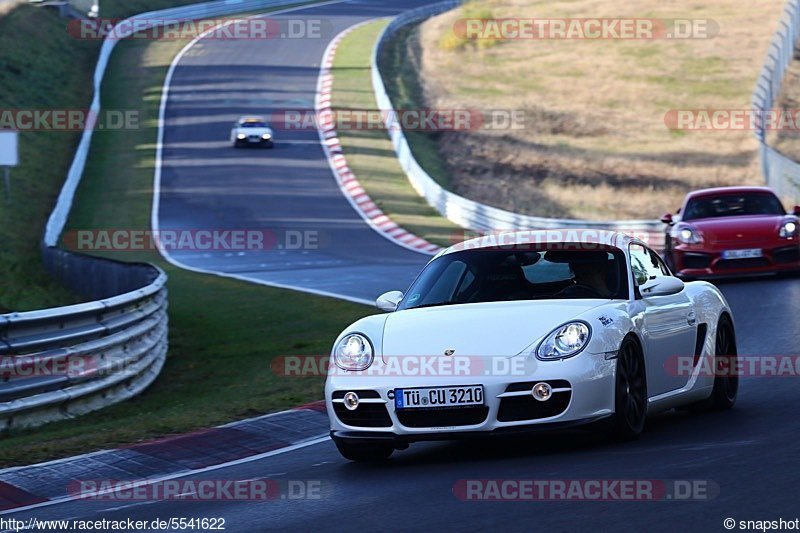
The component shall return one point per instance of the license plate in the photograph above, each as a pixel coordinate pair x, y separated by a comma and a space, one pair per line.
438, 397
747, 253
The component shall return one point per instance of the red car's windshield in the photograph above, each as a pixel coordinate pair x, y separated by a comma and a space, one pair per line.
728, 205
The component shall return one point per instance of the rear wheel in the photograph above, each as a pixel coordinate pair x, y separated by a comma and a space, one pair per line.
630, 402
364, 452
726, 382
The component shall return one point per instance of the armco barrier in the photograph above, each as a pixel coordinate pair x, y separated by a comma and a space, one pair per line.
463, 211
62, 362
780, 172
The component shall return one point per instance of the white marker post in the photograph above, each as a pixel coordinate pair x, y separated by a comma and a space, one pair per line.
9, 157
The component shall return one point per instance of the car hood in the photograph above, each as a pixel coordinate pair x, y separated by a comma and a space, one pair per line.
479, 329
739, 227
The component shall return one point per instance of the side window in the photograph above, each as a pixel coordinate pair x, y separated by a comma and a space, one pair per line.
660, 265
447, 284
646, 265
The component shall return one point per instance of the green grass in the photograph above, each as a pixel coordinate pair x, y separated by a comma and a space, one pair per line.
224, 334
370, 153
43, 67
30, 69
399, 66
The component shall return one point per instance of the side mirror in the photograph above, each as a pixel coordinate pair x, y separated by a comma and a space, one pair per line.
661, 286
389, 301
797, 210
667, 219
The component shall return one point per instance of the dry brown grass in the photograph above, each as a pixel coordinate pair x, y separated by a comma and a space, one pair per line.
595, 143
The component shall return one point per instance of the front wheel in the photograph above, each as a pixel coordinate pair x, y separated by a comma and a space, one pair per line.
630, 411
364, 452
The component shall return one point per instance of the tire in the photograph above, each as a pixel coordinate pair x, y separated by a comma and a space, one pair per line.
630, 392
364, 452
726, 387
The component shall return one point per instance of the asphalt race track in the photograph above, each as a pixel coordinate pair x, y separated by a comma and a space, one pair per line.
288, 191
750, 453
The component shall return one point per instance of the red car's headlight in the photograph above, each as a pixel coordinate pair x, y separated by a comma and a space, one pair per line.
788, 229
687, 235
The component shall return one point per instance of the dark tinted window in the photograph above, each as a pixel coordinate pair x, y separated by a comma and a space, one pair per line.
253, 124
472, 276
727, 205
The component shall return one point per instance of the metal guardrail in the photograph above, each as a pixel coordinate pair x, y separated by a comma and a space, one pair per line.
781, 173
463, 211
63, 362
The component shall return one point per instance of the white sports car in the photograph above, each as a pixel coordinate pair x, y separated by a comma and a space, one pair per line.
252, 131
525, 331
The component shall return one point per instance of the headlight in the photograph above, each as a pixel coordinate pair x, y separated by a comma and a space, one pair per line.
564, 341
266, 136
241, 136
354, 352
687, 235
788, 229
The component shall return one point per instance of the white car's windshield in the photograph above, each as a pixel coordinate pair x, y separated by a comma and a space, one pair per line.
523, 273
253, 124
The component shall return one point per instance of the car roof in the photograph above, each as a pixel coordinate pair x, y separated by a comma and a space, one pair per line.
729, 190
252, 119
504, 239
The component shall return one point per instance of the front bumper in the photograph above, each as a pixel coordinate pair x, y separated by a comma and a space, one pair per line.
253, 141
693, 261
373, 436
583, 392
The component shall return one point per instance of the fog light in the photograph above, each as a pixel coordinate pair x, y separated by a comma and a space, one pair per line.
351, 401
542, 392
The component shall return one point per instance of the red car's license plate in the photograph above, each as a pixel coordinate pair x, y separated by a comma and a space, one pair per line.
748, 253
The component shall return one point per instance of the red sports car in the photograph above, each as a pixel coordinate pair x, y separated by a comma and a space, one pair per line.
732, 231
